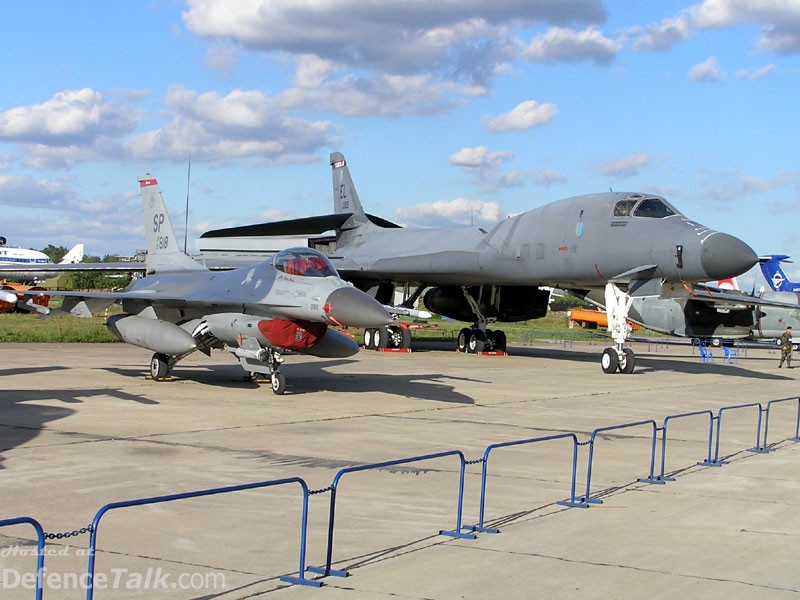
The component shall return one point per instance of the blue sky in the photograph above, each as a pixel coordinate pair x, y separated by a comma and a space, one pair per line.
446, 112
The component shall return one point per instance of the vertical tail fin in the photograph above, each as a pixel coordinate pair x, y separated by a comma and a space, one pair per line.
345, 197
163, 253
773, 273
73, 256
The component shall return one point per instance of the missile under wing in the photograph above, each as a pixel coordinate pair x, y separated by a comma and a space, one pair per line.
257, 313
626, 244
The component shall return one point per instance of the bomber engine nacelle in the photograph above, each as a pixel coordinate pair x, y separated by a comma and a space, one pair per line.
153, 334
504, 303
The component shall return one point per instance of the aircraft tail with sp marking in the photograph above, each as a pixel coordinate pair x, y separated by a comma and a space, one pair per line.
163, 253
773, 273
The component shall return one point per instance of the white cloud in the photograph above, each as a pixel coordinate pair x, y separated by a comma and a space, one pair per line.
72, 126
382, 95
547, 178
401, 37
757, 73
469, 41
781, 18
222, 58
218, 128
478, 158
706, 71
525, 115
569, 45
486, 168
446, 213
728, 185
627, 166
661, 36
28, 192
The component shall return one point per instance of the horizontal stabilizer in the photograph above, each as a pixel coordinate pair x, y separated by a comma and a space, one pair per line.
303, 226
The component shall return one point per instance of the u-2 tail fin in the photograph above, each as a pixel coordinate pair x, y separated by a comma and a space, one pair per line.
345, 197
163, 253
773, 273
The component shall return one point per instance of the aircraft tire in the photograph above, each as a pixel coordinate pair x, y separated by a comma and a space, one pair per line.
500, 343
369, 334
609, 361
380, 338
463, 339
630, 361
405, 338
477, 341
159, 366
278, 383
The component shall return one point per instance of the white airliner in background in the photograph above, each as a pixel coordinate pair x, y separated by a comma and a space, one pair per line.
15, 256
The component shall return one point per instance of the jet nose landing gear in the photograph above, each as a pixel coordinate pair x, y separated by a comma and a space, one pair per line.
613, 360
618, 358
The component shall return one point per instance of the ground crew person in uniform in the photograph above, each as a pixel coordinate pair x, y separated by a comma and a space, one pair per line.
786, 348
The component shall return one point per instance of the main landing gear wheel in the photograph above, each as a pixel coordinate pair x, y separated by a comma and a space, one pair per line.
609, 361
159, 366
391, 336
463, 339
368, 335
278, 383
477, 341
498, 341
398, 337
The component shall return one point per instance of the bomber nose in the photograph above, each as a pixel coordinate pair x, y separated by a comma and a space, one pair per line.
726, 256
352, 307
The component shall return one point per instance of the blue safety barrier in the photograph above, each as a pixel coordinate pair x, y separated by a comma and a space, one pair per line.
586, 500
770, 404
757, 448
300, 579
39, 546
480, 527
581, 502
326, 570
663, 428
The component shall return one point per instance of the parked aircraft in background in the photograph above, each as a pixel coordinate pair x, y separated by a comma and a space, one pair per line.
256, 313
18, 264
626, 244
713, 315
773, 273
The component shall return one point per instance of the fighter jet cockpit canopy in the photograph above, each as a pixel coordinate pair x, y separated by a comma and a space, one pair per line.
306, 262
637, 205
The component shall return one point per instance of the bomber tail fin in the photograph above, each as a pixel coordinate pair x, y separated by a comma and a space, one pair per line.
73, 256
773, 273
345, 197
163, 253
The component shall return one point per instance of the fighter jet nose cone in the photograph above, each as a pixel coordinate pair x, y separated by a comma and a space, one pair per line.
352, 307
726, 256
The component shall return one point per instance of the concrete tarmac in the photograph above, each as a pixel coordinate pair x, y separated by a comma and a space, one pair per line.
81, 426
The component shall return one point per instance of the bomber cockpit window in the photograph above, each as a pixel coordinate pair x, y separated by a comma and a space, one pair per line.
623, 208
305, 262
653, 208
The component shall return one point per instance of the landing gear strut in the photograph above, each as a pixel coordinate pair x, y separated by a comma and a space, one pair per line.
618, 358
255, 360
479, 338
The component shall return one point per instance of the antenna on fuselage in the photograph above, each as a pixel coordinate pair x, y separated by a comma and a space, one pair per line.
186, 219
